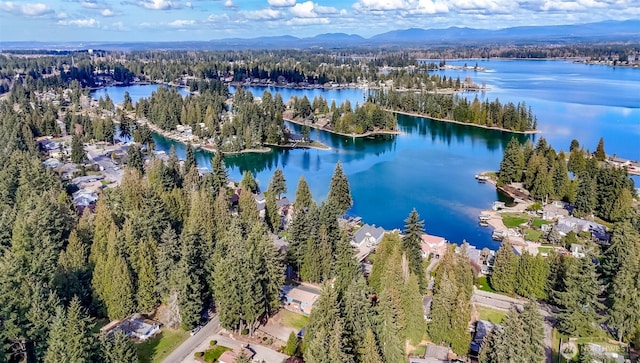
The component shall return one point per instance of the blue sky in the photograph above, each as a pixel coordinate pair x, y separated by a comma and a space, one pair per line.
183, 20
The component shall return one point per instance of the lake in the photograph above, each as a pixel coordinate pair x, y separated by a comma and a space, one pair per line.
431, 165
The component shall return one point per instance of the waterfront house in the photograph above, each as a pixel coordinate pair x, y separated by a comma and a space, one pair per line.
368, 236
299, 299
434, 246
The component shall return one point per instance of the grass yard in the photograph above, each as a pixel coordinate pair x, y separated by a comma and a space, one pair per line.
532, 235
419, 351
212, 355
493, 315
483, 284
512, 220
293, 320
160, 346
539, 222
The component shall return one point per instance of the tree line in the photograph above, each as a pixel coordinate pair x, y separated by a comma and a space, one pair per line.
492, 114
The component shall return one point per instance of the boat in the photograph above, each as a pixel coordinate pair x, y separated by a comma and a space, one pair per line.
482, 178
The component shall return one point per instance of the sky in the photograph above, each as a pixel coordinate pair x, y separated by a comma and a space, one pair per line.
186, 20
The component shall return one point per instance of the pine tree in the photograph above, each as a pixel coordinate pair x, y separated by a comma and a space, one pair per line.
188, 280
579, 302
339, 191
78, 155
504, 269
70, 337
277, 185
369, 350
586, 195
532, 321
292, 345
190, 160
512, 164
600, 155
147, 279
412, 246
249, 182
117, 348
272, 214
135, 159
303, 195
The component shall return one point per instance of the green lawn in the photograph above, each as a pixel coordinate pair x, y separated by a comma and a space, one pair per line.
538, 222
493, 315
483, 284
512, 220
532, 235
160, 346
213, 354
419, 351
293, 320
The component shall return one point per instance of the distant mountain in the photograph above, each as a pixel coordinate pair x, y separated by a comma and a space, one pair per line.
628, 30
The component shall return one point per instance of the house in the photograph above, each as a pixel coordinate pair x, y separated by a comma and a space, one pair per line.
230, 355
135, 326
434, 246
601, 354
299, 298
577, 250
483, 328
577, 225
368, 235
434, 354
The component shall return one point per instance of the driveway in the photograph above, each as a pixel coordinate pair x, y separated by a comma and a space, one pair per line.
262, 353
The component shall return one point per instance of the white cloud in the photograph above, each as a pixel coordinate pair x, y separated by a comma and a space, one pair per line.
182, 23
374, 5
430, 7
25, 9
307, 21
281, 3
229, 4
158, 4
263, 14
311, 10
81, 23
107, 12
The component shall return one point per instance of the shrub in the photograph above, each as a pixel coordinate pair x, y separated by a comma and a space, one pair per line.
244, 331
198, 354
213, 342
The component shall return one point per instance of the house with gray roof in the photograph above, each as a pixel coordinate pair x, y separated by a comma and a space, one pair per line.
368, 236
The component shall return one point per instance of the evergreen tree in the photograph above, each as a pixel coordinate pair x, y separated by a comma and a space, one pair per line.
339, 191
277, 185
78, 155
505, 266
135, 158
532, 276
292, 345
624, 300
586, 195
272, 214
303, 195
512, 163
600, 155
369, 351
190, 160
412, 246
147, 278
188, 280
70, 337
117, 348
579, 302
249, 182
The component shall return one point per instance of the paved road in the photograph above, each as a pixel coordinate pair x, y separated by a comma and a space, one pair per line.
188, 347
502, 302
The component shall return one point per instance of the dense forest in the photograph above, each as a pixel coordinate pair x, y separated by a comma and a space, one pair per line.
441, 106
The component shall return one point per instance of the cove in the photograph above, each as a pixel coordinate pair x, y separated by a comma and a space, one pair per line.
431, 165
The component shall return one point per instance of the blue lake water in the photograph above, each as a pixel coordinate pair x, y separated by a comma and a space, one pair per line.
431, 165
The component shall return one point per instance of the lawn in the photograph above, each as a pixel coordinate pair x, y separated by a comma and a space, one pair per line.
512, 220
160, 346
493, 315
483, 284
292, 319
538, 222
419, 351
532, 235
213, 354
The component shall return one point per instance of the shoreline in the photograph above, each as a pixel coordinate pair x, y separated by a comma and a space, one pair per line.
495, 128
366, 134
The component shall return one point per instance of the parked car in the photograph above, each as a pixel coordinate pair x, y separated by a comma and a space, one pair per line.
195, 330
